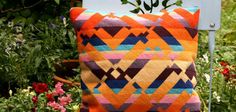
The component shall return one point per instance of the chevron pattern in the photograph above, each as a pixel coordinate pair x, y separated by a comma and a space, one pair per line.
138, 63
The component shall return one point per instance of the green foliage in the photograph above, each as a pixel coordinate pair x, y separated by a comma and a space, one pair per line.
30, 55
228, 26
224, 90
57, 1
34, 36
76, 93
22, 101
138, 5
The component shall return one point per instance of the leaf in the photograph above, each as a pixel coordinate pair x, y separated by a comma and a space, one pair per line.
2, 20
233, 108
38, 61
25, 13
164, 3
156, 3
19, 19
124, 1
72, 39
135, 10
48, 62
29, 21
57, 1
34, 53
179, 3
146, 6
138, 2
230, 37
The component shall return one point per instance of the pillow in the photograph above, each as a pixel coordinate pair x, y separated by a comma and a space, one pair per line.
137, 63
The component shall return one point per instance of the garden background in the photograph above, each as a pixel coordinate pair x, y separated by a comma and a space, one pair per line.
36, 36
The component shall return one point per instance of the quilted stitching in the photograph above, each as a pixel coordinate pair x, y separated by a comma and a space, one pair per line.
138, 63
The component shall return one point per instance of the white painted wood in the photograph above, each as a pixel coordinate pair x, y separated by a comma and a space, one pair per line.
210, 9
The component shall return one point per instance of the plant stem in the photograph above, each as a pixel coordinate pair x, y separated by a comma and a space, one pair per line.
141, 10
151, 6
19, 9
132, 3
202, 100
169, 6
136, 7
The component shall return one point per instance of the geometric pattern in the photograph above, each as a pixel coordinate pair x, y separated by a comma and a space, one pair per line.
137, 63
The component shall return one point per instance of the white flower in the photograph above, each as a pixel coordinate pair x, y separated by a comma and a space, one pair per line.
18, 29
215, 94
10, 92
218, 98
7, 50
10, 24
64, 22
206, 58
75, 108
32, 93
207, 76
29, 87
25, 91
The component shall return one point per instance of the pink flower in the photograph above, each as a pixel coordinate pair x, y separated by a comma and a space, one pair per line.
58, 85
54, 105
62, 109
58, 89
65, 100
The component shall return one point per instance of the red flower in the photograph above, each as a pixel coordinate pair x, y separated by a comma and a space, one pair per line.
40, 87
225, 71
50, 97
35, 99
33, 109
224, 63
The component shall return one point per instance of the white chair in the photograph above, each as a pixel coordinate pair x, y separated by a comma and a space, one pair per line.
209, 18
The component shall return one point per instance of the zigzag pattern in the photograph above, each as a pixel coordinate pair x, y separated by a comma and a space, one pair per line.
138, 63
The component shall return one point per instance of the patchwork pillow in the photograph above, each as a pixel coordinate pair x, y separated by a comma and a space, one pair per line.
137, 63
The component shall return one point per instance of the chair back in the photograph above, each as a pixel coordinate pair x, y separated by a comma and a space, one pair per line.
209, 16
